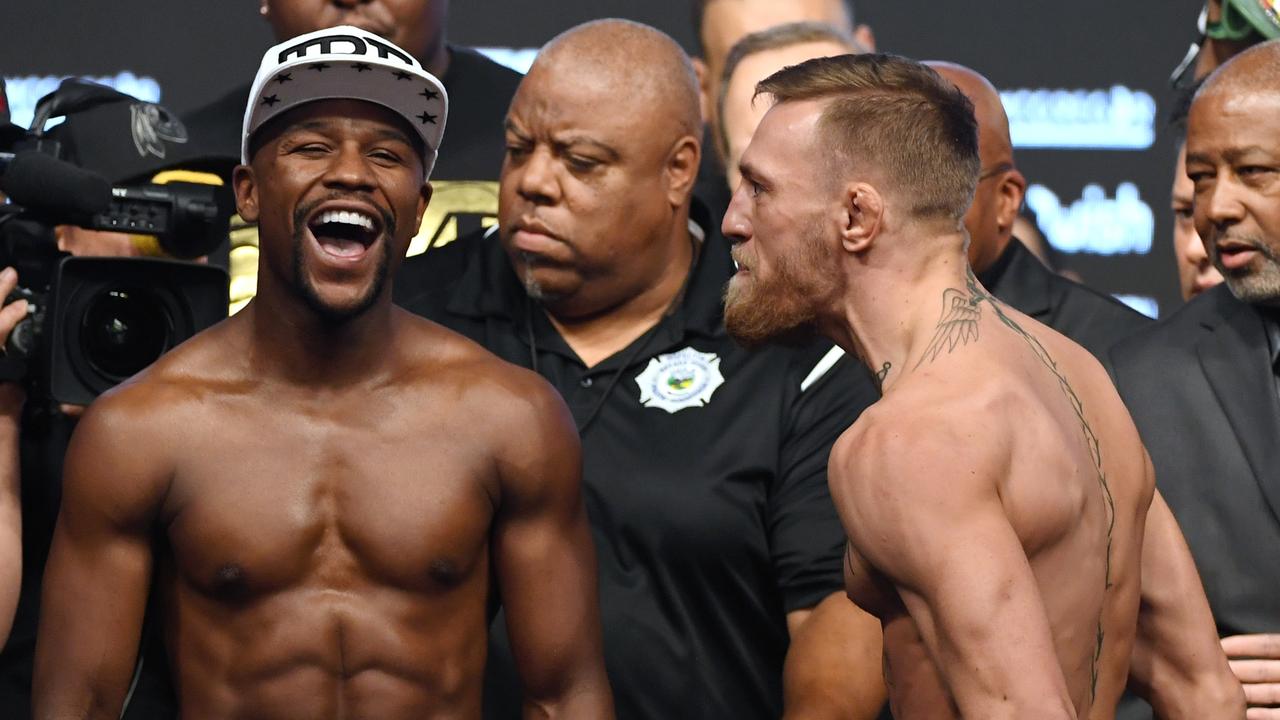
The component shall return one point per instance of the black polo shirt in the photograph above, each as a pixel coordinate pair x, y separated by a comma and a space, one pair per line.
704, 479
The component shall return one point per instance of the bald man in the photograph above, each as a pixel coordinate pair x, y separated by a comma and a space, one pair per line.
704, 464
1005, 267
1202, 385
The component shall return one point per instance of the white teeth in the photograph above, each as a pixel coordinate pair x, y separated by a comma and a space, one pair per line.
347, 217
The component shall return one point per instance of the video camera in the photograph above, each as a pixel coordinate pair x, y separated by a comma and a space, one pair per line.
95, 321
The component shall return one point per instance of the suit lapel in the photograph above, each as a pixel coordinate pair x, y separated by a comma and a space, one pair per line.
1233, 353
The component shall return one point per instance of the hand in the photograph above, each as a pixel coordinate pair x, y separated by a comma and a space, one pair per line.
11, 394
1255, 660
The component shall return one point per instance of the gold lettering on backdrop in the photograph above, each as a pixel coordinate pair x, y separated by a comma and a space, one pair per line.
452, 201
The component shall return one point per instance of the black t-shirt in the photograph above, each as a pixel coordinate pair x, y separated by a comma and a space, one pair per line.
704, 480
465, 178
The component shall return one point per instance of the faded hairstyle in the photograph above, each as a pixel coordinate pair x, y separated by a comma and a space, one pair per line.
894, 115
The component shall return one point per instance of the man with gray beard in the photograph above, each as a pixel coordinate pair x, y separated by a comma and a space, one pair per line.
1202, 384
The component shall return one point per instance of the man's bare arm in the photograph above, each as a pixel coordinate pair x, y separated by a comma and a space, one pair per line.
11, 399
1178, 664
99, 567
833, 668
546, 565
923, 509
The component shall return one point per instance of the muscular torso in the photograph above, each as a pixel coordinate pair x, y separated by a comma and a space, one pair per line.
1055, 497
324, 554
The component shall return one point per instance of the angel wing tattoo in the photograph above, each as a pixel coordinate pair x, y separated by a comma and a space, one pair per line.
957, 326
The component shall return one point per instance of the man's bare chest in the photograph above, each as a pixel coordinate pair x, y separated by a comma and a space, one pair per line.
333, 503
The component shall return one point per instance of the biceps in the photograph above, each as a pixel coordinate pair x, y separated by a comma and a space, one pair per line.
547, 578
93, 600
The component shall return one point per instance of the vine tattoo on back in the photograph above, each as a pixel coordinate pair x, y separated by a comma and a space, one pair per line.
957, 326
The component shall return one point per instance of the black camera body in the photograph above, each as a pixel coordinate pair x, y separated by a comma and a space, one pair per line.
95, 321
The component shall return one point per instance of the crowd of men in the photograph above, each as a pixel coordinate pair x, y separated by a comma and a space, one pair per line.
733, 395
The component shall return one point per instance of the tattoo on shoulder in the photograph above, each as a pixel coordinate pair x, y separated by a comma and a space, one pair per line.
957, 326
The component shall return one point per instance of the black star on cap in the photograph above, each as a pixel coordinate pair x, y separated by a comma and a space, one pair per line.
427, 117
401, 75
270, 100
361, 67
429, 94
319, 67
283, 78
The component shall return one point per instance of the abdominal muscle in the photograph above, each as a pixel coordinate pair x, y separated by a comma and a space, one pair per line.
368, 652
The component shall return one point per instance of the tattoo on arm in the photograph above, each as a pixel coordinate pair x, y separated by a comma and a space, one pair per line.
957, 326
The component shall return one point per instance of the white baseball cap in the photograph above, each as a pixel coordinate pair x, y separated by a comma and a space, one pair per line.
346, 62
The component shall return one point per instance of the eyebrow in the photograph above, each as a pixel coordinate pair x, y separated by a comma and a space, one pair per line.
568, 141
383, 133
1232, 154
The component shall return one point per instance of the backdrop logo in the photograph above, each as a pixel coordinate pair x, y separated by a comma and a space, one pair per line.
24, 92
1095, 223
1115, 119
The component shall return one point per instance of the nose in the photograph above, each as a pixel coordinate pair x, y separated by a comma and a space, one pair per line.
736, 226
1195, 248
1222, 204
349, 169
536, 177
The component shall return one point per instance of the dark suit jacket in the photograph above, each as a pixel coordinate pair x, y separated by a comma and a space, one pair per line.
1200, 388
1092, 319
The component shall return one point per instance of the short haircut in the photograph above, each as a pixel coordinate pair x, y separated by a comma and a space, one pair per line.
699, 8
896, 115
775, 38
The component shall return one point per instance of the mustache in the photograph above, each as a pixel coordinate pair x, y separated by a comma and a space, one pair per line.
301, 213
739, 258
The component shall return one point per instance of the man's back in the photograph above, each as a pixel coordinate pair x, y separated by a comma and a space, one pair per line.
1017, 444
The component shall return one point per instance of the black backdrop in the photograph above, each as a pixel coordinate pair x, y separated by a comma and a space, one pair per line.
196, 50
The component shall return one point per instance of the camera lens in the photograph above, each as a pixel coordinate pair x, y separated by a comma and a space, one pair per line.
123, 331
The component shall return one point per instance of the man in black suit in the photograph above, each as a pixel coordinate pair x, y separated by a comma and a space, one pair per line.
1004, 265
1202, 385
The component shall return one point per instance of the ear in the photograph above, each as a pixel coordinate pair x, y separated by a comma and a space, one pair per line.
863, 35
1012, 189
682, 169
861, 217
245, 186
424, 199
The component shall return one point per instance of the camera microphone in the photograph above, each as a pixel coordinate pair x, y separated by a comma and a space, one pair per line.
54, 187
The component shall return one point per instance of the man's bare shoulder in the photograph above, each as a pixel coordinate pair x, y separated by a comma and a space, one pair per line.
919, 439
483, 382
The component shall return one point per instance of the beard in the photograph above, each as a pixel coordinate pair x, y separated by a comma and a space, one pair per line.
784, 307
330, 314
1254, 284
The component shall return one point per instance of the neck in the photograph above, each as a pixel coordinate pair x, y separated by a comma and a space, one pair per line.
601, 332
890, 314
292, 343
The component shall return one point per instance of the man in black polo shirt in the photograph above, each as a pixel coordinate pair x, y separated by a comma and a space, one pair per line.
1003, 264
464, 180
705, 465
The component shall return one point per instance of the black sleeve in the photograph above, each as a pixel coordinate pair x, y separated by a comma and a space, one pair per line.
805, 536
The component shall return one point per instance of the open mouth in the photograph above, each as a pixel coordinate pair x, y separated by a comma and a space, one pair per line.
346, 234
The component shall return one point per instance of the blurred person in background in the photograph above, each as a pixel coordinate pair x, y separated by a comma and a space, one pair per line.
755, 57
717, 26
1196, 272
1004, 265
479, 89
704, 463
1202, 384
